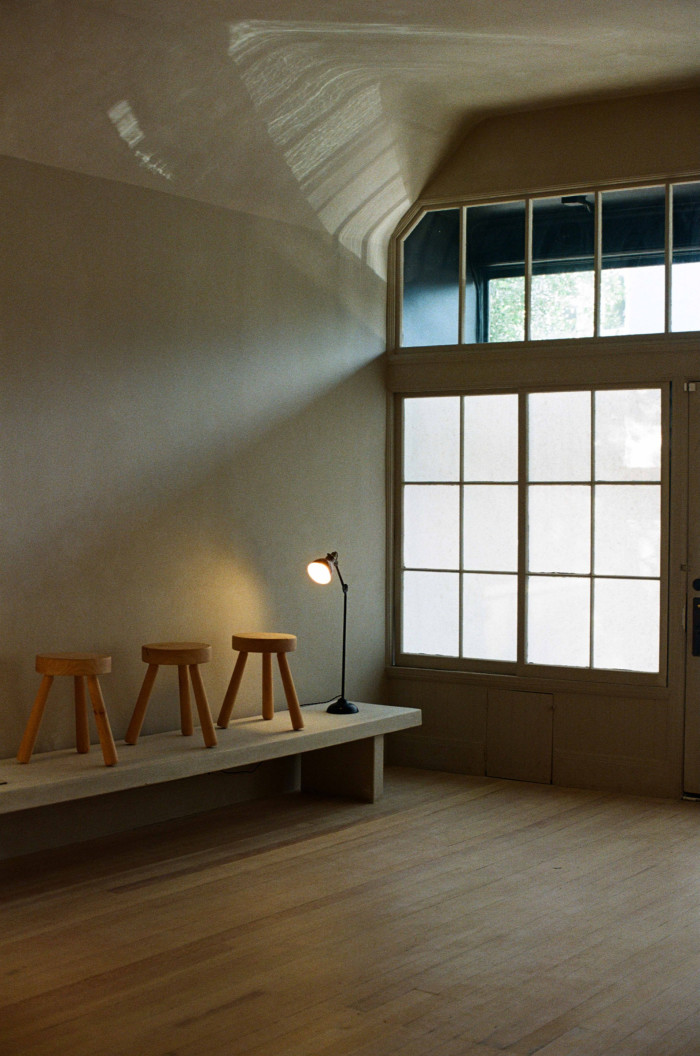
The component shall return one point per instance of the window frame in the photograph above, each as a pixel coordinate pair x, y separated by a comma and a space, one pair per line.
520, 668
395, 323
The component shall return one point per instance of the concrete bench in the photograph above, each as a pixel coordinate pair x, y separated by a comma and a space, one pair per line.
340, 755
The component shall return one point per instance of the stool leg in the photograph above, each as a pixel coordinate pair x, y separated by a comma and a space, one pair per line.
82, 730
185, 704
290, 692
268, 700
104, 732
27, 746
205, 720
232, 691
132, 734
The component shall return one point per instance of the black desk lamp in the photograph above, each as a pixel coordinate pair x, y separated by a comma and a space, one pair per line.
321, 571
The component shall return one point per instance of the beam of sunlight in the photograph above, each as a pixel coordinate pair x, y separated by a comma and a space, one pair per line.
327, 119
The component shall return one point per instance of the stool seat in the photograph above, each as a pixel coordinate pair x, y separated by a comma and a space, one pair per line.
73, 664
186, 656
267, 643
83, 667
176, 653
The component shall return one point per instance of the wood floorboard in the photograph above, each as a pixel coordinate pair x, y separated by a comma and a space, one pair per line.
455, 917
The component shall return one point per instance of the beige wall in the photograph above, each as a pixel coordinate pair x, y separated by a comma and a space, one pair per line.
193, 407
642, 137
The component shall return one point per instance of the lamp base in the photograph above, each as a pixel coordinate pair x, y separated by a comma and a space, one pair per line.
341, 706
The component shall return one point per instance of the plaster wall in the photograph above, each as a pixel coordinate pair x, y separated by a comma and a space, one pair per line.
193, 407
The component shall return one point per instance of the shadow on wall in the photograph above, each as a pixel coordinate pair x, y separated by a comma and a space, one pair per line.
186, 434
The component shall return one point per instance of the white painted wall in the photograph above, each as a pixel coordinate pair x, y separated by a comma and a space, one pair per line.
192, 407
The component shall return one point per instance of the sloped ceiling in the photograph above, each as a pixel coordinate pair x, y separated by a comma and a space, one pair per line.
330, 114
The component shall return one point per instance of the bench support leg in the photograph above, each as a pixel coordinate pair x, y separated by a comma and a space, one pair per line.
354, 769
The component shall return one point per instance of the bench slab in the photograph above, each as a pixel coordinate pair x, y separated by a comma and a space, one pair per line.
341, 755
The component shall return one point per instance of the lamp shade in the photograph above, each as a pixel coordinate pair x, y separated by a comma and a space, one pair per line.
320, 570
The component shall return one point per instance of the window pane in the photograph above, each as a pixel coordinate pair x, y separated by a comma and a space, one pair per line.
626, 624
634, 276
495, 253
559, 436
491, 527
558, 621
506, 311
628, 434
431, 280
491, 437
562, 267
431, 526
490, 617
431, 438
627, 529
431, 613
685, 277
559, 528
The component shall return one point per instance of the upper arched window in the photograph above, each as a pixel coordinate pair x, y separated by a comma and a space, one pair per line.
591, 264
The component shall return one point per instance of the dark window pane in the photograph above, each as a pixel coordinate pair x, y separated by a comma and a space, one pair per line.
431, 281
562, 267
632, 295
685, 276
495, 289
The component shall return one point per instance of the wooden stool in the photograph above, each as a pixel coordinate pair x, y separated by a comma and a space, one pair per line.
267, 644
183, 655
81, 666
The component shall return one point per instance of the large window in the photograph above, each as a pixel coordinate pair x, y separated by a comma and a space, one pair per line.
532, 531
605, 263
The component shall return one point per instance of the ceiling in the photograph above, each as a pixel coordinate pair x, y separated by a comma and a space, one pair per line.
328, 114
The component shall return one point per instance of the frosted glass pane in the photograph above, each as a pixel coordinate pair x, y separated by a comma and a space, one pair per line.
628, 434
626, 624
431, 613
491, 527
491, 437
431, 438
490, 617
558, 621
627, 529
559, 436
431, 526
559, 528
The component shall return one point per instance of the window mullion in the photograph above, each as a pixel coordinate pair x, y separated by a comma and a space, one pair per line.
528, 266
522, 528
461, 526
597, 261
462, 272
668, 261
592, 542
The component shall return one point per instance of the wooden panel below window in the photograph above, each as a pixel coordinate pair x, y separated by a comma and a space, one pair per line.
519, 736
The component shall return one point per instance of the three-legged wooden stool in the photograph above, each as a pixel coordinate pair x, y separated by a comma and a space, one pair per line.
267, 644
186, 656
82, 666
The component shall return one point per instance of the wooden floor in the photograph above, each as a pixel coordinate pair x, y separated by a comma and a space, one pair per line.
456, 917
